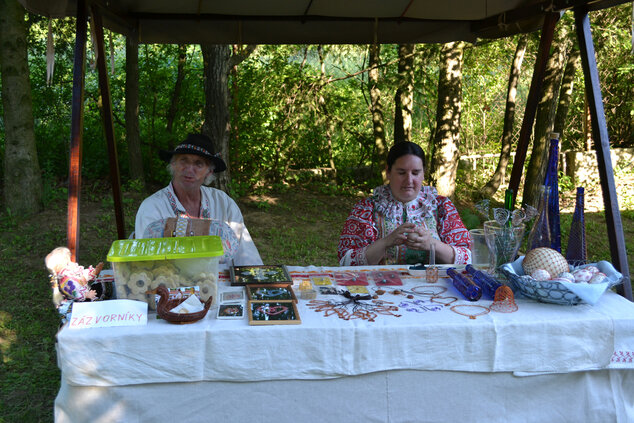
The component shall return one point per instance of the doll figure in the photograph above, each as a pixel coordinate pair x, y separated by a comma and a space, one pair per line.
70, 280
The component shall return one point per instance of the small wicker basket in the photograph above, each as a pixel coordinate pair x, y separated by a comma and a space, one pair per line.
165, 305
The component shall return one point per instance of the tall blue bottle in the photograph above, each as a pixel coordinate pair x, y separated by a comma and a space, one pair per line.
552, 181
577, 252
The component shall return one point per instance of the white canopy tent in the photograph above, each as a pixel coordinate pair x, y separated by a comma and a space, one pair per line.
335, 22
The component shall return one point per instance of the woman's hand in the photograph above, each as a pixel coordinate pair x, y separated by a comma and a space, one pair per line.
376, 251
399, 235
419, 239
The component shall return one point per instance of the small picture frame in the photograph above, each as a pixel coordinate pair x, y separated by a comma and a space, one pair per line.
232, 296
273, 313
230, 311
263, 274
272, 292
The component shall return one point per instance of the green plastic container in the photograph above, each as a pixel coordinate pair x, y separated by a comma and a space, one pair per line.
141, 265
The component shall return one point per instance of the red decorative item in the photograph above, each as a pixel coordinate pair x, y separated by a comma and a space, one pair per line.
351, 278
504, 301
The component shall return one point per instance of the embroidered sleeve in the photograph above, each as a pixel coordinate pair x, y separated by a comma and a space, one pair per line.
452, 231
358, 233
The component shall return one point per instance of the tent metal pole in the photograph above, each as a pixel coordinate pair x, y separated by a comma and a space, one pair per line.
548, 30
76, 131
602, 147
108, 123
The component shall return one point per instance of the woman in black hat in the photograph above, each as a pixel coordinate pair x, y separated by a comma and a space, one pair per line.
193, 164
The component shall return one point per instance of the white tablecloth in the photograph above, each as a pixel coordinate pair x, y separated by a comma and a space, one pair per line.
585, 345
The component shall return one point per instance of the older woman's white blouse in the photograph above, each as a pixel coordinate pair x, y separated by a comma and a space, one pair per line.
215, 204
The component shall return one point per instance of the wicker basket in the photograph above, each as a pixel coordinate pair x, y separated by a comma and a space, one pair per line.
165, 305
555, 292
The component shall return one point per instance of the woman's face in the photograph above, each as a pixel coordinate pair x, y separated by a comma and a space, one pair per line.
406, 177
190, 170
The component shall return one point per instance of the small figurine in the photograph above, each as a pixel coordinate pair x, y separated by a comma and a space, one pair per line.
68, 279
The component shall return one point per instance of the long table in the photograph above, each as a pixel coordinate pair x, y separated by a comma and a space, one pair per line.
543, 362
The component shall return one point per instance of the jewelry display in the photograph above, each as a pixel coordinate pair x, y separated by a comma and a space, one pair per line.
354, 307
485, 310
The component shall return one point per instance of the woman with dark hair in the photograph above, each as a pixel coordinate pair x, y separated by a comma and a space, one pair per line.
401, 221
192, 164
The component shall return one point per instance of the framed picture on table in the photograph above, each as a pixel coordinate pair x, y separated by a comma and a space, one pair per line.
273, 313
263, 274
230, 311
270, 292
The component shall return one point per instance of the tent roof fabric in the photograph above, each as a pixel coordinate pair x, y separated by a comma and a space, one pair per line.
316, 21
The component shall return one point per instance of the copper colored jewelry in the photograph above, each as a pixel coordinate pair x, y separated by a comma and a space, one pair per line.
431, 290
504, 301
446, 301
485, 310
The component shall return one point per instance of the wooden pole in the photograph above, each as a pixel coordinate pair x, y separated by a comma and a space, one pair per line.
108, 123
602, 147
76, 131
548, 30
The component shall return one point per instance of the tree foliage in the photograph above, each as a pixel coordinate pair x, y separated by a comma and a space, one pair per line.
304, 106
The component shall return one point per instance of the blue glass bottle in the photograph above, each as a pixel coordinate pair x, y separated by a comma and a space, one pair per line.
577, 252
539, 235
467, 287
552, 181
487, 283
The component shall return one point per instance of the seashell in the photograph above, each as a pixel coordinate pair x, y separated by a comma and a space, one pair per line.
567, 275
540, 275
582, 275
544, 258
598, 278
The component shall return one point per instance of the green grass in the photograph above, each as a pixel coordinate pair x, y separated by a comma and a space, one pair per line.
293, 227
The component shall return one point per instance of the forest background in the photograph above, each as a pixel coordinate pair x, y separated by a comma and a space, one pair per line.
305, 134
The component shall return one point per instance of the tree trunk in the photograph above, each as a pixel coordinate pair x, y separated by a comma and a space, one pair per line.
444, 160
180, 75
404, 98
22, 179
565, 94
509, 118
545, 117
218, 62
216, 125
133, 137
377, 110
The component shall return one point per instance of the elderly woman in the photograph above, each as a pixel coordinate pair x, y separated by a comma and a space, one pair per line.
192, 164
401, 221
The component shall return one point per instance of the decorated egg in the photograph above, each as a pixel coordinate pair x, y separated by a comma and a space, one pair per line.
592, 269
544, 258
567, 275
598, 278
540, 275
582, 275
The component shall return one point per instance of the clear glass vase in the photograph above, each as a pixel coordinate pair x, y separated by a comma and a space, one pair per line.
539, 235
503, 242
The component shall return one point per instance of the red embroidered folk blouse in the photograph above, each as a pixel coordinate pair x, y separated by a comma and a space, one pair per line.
375, 217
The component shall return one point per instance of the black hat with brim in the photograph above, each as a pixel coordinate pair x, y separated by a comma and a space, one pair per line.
197, 144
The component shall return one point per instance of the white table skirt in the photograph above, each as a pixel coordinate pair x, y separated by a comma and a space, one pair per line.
392, 396
577, 363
